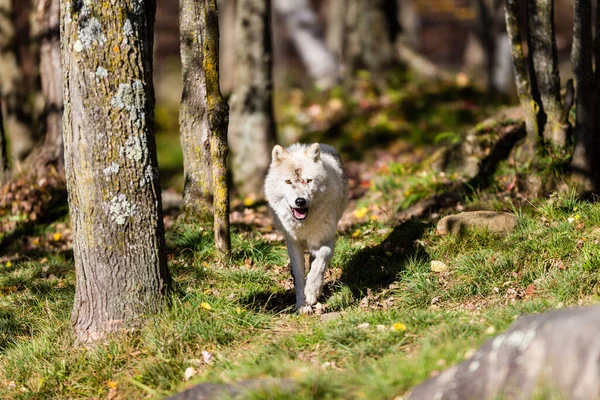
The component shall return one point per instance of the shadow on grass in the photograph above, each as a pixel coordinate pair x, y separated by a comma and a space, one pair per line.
374, 268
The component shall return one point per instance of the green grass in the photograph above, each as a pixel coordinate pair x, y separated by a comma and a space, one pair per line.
381, 279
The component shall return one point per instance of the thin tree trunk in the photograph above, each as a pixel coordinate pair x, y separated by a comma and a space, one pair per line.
218, 120
371, 29
17, 110
544, 55
522, 76
49, 152
585, 156
193, 114
110, 163
251, 132
3, 152
305, 30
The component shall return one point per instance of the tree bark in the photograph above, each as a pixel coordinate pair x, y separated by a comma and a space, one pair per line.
110, 163
371, 29
17, 110
585, 155
251, 132
49, 151
218, 120
305, 29
193, 114
544, 56
3, 151
528, 105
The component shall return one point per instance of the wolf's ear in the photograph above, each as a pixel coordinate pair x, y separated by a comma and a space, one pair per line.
314, 152
279, 154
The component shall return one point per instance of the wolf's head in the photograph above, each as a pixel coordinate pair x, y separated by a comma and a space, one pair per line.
296, 178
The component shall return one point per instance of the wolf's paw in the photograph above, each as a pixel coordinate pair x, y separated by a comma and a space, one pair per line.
304, 309
311, 298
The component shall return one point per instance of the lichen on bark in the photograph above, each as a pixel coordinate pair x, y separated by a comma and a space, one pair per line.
115, 205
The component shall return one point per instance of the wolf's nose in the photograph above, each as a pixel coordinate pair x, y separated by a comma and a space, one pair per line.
301, 202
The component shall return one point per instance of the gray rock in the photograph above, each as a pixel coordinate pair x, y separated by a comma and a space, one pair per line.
239, 390
330, 316
551, 355
497, 222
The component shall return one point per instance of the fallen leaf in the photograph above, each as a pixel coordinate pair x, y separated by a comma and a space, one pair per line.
438, 266
111, 384
364, 325
399, 327
189, 372
361, 212
207, 357
206, 306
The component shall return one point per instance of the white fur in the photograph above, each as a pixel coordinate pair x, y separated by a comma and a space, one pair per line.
326, 197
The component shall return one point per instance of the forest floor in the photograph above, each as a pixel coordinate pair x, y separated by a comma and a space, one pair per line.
401, 301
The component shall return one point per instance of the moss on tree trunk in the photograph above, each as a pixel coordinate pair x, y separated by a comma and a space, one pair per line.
193, 113
110, 163
218, 120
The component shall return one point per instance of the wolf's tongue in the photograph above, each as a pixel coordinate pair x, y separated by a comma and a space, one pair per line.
300, 213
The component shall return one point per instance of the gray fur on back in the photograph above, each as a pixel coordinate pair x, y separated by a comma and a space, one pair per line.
328, 149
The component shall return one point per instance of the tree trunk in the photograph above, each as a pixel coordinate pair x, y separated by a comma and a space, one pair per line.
251, 132
522, 76
371, 29
49, 152
3, 152
218, 120
193, 117
305, 29
543, 54
17, 110
585, 161
110, 163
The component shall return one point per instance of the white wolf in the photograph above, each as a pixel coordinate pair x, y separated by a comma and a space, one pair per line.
307, 191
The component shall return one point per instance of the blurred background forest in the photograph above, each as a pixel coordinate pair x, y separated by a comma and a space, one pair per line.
427, 68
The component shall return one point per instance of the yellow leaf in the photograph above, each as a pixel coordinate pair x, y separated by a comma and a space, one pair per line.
462, 79
438, 266
398, 326
36, 241
57, 236
206, 306
356, 233
361, 212
8, 264
111, 384
374, 218
249, 201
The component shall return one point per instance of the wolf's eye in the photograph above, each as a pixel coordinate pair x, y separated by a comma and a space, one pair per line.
308, 180
288, 182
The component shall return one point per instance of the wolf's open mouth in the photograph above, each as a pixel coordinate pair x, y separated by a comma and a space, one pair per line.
300, 213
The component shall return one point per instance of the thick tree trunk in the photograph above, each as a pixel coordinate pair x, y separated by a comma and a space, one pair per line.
586, 155
251, 132
17, 110
193, 113
218, 120
305, 29
544, 55
522, 76
110, 163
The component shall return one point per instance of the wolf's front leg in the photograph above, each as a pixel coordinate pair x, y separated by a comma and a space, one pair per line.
296, 253
314, 280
